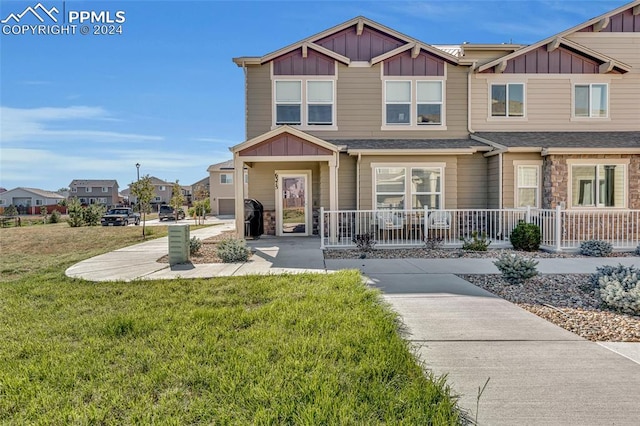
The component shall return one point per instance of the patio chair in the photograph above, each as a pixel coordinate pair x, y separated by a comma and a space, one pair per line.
389, 221
439, 222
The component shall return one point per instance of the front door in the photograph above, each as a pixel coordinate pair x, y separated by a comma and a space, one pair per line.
294, 198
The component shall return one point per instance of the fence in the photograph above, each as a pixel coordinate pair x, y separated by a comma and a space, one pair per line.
560, 229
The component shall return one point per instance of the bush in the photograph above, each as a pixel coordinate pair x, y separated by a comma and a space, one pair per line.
433, 243
76, 213
93, 213
619, 288
364, 242
526, 237
11, 211
638, 250
477, 242
55, 217
233, 250
194, 245
596, 248
516, 269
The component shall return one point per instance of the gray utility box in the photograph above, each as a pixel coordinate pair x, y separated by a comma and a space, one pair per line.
178, 244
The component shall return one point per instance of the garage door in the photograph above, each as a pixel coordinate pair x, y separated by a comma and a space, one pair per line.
226, 207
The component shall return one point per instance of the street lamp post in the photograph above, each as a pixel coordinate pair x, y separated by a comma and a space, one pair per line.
138, 197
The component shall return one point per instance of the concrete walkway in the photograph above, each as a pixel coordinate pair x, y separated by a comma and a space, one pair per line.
538, 373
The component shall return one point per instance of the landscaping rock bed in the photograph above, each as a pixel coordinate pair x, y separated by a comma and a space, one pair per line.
422, 253
207, 252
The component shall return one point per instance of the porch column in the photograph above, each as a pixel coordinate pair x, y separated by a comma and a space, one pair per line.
333, 198
238, 187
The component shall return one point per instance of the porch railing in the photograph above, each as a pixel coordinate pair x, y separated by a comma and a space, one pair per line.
560, 229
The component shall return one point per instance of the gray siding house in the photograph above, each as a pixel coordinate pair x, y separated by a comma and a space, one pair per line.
94, 191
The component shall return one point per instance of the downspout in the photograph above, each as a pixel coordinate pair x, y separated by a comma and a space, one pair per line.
471, 70
246, 102
358, 181
500, 179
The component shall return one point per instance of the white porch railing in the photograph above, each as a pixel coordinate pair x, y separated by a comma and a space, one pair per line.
560, 229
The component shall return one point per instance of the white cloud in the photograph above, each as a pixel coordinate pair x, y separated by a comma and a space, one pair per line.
50, 124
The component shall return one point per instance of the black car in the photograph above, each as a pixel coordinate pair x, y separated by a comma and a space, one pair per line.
168, 212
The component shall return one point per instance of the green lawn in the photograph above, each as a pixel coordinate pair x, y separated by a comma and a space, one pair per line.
300, 349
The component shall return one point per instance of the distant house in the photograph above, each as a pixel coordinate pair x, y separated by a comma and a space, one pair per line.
29, 200
221, 188
162, 190
95, 191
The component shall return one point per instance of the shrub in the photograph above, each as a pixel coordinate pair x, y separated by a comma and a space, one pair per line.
233, 250
194, 245
526, 237
55, 217
596, 248
76, 213
93, 213
638, 250
11, 210
477, 242
364, 242
516, 269
619, 288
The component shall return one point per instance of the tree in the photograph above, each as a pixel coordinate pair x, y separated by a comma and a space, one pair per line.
177, 198
201, 204
76, 213
144, 192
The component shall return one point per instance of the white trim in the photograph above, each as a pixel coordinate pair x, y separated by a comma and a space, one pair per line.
281, 174
280, 130
226, 175
589, 117
516, 184
413, 102
304, 104
507, 117
597, 162
407, 185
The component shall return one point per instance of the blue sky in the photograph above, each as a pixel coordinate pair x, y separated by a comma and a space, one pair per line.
165, 93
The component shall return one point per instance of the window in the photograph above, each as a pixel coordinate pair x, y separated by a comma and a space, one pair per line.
74, 189
527, 186
157, 199
507, 100
304, 102
421, 185
413, 103
598, 185
83, 201
102, 201
163, 188
590, 100
38, 202
88, 189
1, 202
226, 178
105, 189
246, 178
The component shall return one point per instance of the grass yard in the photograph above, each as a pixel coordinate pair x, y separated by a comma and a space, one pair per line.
299, 349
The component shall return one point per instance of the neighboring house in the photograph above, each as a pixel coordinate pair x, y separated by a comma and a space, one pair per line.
29, 200
362, 117
162, 190
95, 191
222, 189
201, 185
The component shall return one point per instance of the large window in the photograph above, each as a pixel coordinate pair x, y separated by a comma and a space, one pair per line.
591, 100
299, 102
226, 178
598, 185
507, 100
413, 103
527, 186
421, 186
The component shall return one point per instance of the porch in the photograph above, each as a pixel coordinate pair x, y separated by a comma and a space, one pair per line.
560, 229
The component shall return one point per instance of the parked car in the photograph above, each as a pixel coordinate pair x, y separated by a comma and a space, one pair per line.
169, 213
120, 216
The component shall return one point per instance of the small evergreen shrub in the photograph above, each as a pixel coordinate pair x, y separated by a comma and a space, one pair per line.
55, 217
233, 250
638, 250
477, 242
526, 237
364, 242
516, 269
76, 213
195, 244
596, 248
93, 213
10, 211
619, 288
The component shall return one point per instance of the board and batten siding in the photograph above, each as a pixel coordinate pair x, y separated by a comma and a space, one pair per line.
493, 182
347, 184
450, 176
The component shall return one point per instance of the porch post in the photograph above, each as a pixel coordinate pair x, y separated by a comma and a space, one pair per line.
558, 230
333, 199
238, 186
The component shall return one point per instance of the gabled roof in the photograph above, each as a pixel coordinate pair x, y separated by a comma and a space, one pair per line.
284, 129
360, 22
93, 182
556, 40
158, 181
580, 142
225, 165
39, 192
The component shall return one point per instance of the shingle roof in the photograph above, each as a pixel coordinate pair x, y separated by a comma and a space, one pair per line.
564, 139
42, 192
426, 144
94, 182
225, 165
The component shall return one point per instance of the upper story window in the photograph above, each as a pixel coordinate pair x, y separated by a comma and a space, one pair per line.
163, 188
413, 103
601, 184
591, 101
507, 100
74, 189
305, 102
88, 189
226, 178
105, 189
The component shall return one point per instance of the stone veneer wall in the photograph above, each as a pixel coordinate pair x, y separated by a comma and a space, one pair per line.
555, 178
